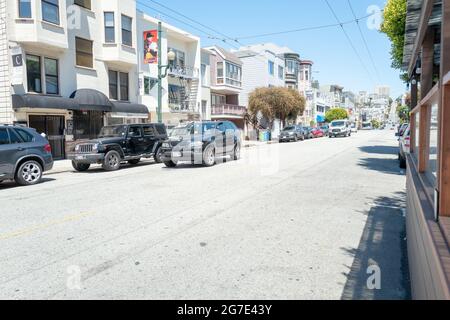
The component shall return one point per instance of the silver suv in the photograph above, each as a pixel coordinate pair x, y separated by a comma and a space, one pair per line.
24, 155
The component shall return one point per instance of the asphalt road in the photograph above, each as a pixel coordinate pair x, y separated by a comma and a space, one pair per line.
289, 221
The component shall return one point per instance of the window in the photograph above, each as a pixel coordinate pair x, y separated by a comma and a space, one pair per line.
84, 55
127, 34
50, 11
149, 131
219, 72
134, 132
434, 143
204, 76
161, 129
123, 86
233, 74
149, 84
26, 137
280, 72
51, 76
24, 8
14, 137
417, 134
4, 137
34, 74
113, 85
83, 3
110, 33
271, 68
291, 67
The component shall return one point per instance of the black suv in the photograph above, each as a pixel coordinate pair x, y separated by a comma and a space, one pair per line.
202, 143
117, 144
24, 155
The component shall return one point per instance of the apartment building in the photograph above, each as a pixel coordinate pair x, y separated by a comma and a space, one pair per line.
182, 87
72, 67
226, 86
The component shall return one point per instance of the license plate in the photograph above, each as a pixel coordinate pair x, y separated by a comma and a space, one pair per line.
80, 158
176, 154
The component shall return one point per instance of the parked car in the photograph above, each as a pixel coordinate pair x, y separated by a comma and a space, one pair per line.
317, 133
326, 129
401, 129
118, 144
367, 125
308, 132
353, 128
404, 147
24, 155
292, 133
340, 128
202, 143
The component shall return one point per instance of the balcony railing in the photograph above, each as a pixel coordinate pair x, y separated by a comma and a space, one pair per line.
178, 106
183, 71
228, 110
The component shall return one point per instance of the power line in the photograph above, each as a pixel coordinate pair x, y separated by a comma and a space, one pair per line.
325, 26
364, 40
349, 40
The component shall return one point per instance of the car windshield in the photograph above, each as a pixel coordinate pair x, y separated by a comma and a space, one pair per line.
113, 131
195, 128
203, 127
289, 129
180, 131
338, 124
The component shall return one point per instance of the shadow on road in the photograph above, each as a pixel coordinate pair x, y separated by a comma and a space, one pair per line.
390, 166
12, 184
380, 150
382, 244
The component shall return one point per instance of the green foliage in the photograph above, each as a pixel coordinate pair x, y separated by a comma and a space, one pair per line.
376, 124
403, 113
394, 25
276, 103
336, 114
312, 123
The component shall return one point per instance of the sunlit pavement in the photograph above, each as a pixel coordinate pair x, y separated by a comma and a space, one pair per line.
304, 220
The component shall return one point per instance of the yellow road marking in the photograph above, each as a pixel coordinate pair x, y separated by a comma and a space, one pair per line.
30, 230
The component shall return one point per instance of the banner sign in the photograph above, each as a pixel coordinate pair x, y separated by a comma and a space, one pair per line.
17, 63
151, 47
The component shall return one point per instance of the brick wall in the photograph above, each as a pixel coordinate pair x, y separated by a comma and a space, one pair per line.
5, 86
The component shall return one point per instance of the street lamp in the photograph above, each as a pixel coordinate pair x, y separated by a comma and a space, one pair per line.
162, 70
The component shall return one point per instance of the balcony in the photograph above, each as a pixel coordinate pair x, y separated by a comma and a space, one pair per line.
183, 71
119, 54
228, 110
177, 106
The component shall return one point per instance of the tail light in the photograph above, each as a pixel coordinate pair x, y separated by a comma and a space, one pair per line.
48, 148
407, 141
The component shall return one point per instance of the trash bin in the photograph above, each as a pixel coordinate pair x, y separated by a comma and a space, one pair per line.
262, 136
267, 136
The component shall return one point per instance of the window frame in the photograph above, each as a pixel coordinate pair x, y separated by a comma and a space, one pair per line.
129, 44
51, 4
271, 66
47, 75
105, 27
28, 73
78, 51
19, 9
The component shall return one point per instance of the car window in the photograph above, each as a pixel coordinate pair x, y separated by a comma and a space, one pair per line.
229, 126
221, 127
14, 137
25, 136
149, 131
4, 137
134, 132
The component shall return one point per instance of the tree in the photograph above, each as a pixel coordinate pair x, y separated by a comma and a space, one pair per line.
336, 114
394, 26
276, 103
403, 113
376, 124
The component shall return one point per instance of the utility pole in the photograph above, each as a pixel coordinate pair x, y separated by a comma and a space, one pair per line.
160, 77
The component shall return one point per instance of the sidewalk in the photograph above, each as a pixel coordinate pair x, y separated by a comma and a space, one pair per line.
61, 166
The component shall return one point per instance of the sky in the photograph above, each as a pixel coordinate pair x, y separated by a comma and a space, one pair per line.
335, 61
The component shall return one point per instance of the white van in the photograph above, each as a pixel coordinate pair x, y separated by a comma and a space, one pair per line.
340, 128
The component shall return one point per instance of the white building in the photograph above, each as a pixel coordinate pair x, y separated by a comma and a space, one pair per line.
72, 66
383, 91
182, 87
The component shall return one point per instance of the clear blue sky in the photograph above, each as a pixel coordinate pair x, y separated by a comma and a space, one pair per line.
331, 52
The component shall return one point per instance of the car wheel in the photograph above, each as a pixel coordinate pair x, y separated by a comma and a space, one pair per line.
29, 173
237, 153
170, 164
112, 161
81, 167
209, 156
295, 139
134, 161
158, 156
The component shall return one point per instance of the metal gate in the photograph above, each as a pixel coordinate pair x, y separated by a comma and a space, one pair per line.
53, 127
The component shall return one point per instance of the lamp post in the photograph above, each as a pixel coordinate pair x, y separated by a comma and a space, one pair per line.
162, 70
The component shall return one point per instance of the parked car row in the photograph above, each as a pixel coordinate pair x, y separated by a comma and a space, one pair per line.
404, 140
299, 133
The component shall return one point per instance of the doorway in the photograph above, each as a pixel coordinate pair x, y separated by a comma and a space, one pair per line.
53, 127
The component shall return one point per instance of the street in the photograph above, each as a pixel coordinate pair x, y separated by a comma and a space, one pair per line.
288, 221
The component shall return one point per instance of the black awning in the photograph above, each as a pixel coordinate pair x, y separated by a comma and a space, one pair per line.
44, 102
124, 107
89, 99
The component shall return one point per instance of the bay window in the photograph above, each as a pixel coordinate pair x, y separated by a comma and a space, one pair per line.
24, 8
50, 11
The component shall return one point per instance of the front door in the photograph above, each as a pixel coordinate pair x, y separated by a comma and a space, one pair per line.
53, 127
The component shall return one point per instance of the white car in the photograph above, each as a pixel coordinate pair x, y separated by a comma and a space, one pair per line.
340, 128
354, 128
404, 147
